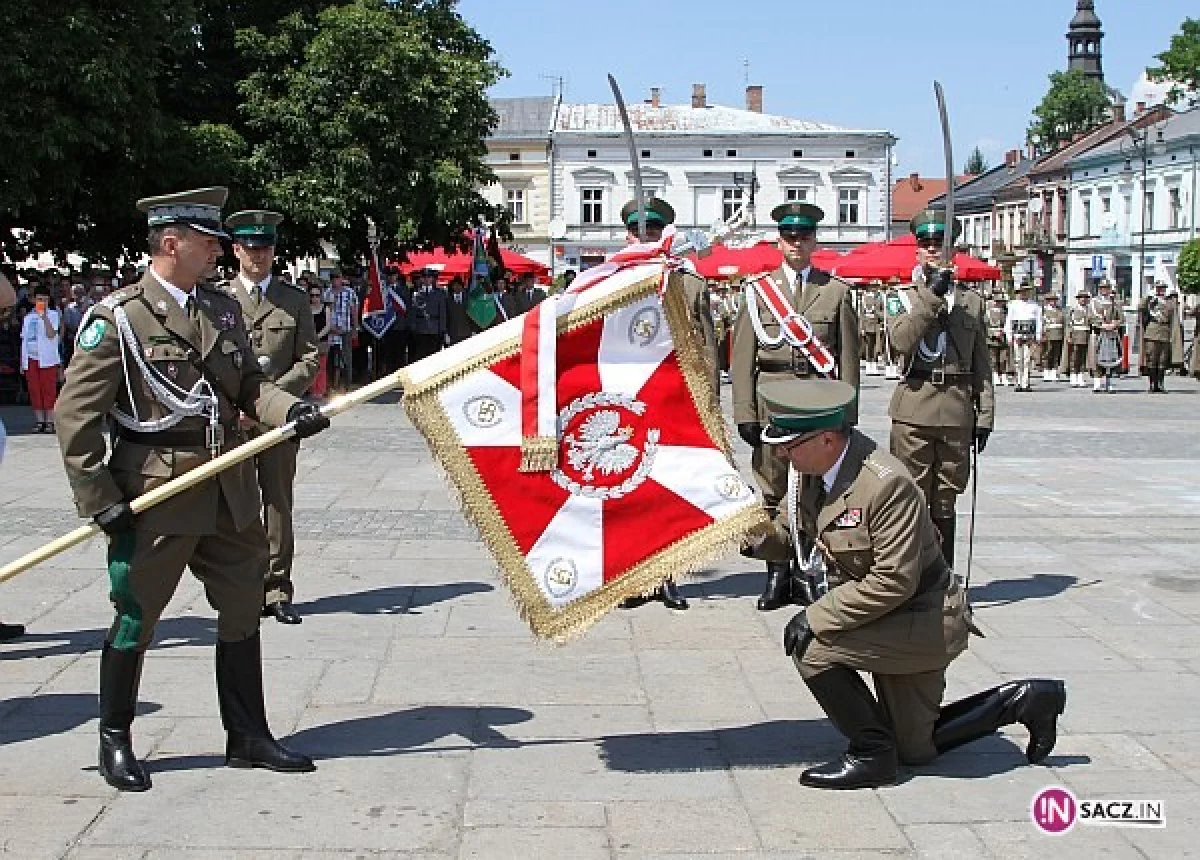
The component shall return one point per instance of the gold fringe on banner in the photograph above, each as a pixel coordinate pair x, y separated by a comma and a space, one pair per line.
682, 558
538, 454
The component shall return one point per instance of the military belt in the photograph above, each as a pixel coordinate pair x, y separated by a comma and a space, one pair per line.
166, 438
938, 376
931, 589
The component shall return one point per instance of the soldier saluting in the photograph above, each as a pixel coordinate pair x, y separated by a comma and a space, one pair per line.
280, 324
166, 365
944, 404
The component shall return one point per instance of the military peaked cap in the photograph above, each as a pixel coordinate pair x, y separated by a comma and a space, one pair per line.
199, 209
254, 228
798, 407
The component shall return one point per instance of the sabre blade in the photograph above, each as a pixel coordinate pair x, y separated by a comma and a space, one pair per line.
633, 157
948, 242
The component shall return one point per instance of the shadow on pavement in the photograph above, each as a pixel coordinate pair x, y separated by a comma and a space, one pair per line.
30, 717
1001, 592
391, 599
390, 734
170, 633
779, 743
744, 584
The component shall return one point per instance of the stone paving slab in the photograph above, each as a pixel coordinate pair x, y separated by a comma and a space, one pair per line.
442, 730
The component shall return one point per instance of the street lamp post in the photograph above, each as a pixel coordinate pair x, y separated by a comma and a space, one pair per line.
1138, 144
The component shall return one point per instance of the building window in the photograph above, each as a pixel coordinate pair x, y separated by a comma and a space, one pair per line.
1175, 216
591, 153
1106, 204
708, 153
849, 206
1148, 211
797, 153
1085, 222
514, 199
795, 195
645, 153
731, 203
593, 205
732, 153
514, 156
850, 153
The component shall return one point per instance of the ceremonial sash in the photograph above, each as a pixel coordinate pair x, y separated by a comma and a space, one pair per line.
794, 328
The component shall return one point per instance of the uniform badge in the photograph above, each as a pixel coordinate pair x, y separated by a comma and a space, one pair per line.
849, 520
173, 370
91, 336
237, 359
894, 305
148, 351
162, 306
226, 321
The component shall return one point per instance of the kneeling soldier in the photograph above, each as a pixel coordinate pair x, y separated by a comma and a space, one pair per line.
893, 607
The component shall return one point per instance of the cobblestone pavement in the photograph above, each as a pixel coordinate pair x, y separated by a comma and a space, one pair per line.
442, 730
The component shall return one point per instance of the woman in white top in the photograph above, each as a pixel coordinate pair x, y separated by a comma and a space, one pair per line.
40, 358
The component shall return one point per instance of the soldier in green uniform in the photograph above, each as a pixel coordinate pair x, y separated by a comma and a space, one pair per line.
1053, 332
280, 324
827, 303
166, 364
997, 340
1162, 337
870, 315
945, 402
891, 607
1078, 327
659, 215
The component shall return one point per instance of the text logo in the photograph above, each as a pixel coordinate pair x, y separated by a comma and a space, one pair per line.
1054, 810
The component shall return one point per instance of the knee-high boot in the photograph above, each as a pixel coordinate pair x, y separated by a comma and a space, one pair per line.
120, 674
946, 527
871, 759
1035, 704
244, 713
778, 589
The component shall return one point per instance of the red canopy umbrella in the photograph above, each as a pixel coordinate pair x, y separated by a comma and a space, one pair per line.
725, 262
459, 263
898, 258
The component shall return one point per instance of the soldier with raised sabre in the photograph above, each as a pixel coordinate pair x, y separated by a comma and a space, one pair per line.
166, 364
1162, 337
827, 303
659, 215
944, 405
280, 325
891, 607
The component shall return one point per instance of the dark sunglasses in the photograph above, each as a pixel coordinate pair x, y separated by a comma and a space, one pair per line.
794, 235
930, 244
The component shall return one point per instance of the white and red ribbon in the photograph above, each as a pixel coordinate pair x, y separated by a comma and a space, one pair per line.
793, 327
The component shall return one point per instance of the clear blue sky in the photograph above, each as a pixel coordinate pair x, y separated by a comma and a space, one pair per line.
854, 63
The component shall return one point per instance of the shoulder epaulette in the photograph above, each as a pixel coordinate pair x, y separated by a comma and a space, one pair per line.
879, 469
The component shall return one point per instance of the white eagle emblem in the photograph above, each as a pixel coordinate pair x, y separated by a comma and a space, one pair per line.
602, 444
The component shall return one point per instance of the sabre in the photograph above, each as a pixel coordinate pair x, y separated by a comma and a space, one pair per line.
948, 150
633, 158
201, 473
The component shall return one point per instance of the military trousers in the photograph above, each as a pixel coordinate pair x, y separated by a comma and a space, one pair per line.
1156, 354
1000, 358
906, 652
1077, 357
145, 568
870, 345
939, 460
276, 468
1052, 354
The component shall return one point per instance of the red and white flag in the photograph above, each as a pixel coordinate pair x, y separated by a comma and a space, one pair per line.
640, 485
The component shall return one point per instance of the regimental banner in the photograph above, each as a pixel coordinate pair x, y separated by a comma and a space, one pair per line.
644, 485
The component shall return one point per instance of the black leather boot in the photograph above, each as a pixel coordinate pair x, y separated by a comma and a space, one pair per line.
1034, 704
871, 759
120, 673
778, 590
244, 714
670, 595
946, 526
1162, 380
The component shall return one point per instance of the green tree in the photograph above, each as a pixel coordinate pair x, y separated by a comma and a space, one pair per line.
1188, 271
1074, 103
1181, 64
976, 163
373, 109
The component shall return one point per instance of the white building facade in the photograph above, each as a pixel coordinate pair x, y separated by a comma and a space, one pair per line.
1133, 205
702, 159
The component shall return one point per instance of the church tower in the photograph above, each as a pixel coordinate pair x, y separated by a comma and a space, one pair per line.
1083, 41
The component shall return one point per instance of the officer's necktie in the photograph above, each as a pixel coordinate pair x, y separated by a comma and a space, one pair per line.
255, 295
190, 307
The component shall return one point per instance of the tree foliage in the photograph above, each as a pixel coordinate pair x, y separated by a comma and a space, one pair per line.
328, 110
1181, 64
976, 163
1188, 271
1074, 103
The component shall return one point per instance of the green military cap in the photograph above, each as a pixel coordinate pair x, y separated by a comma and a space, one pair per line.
254, 228
657, 212
798, 215
199, 209
932, 222
798, 407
